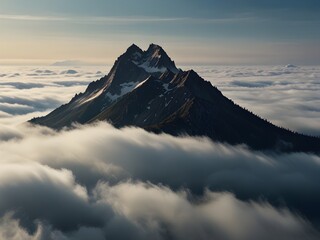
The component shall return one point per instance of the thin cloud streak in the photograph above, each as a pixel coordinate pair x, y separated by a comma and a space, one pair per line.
31, 18
88, 19
123, 19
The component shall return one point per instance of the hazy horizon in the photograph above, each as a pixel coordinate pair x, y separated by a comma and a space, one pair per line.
193, 32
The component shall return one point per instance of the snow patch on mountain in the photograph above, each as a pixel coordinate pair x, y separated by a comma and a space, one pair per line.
150, 69
153, 69
137, 55
125, 88
166, 87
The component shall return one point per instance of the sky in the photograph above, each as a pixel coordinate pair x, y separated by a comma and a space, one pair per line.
193, 32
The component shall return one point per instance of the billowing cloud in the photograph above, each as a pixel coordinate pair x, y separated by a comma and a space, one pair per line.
42, 193
145, 211
214, 216
98, 180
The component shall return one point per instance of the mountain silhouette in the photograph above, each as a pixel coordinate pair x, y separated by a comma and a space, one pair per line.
145, 89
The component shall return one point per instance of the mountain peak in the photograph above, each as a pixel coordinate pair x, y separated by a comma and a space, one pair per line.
154, 47
134, 48
155, 59
145, 89
133, 52
157, 51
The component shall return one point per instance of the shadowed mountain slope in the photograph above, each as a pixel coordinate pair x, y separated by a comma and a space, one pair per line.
145, 89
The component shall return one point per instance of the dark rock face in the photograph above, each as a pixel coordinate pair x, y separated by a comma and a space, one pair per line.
145, 89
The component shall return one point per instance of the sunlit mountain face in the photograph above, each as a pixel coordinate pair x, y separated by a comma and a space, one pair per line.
211, 132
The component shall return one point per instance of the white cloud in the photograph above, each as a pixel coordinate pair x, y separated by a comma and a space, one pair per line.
39, 89
153, 185
126, 20
30, 18
215, 216
288, 97
99, 182
146, 211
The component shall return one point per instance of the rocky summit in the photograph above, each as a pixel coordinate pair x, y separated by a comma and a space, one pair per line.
145, 89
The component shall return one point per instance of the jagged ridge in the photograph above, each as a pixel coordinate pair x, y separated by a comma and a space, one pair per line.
145, 89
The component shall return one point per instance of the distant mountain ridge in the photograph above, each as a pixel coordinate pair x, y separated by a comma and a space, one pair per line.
69, 63
147, 90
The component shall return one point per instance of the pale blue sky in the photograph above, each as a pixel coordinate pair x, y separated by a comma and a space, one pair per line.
193, 32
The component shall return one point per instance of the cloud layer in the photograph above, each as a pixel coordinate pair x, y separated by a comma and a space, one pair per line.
285, 95
28, 90
98, 182
130, 184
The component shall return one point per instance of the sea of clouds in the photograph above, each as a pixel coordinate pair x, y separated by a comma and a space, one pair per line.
98, 182
288, 96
